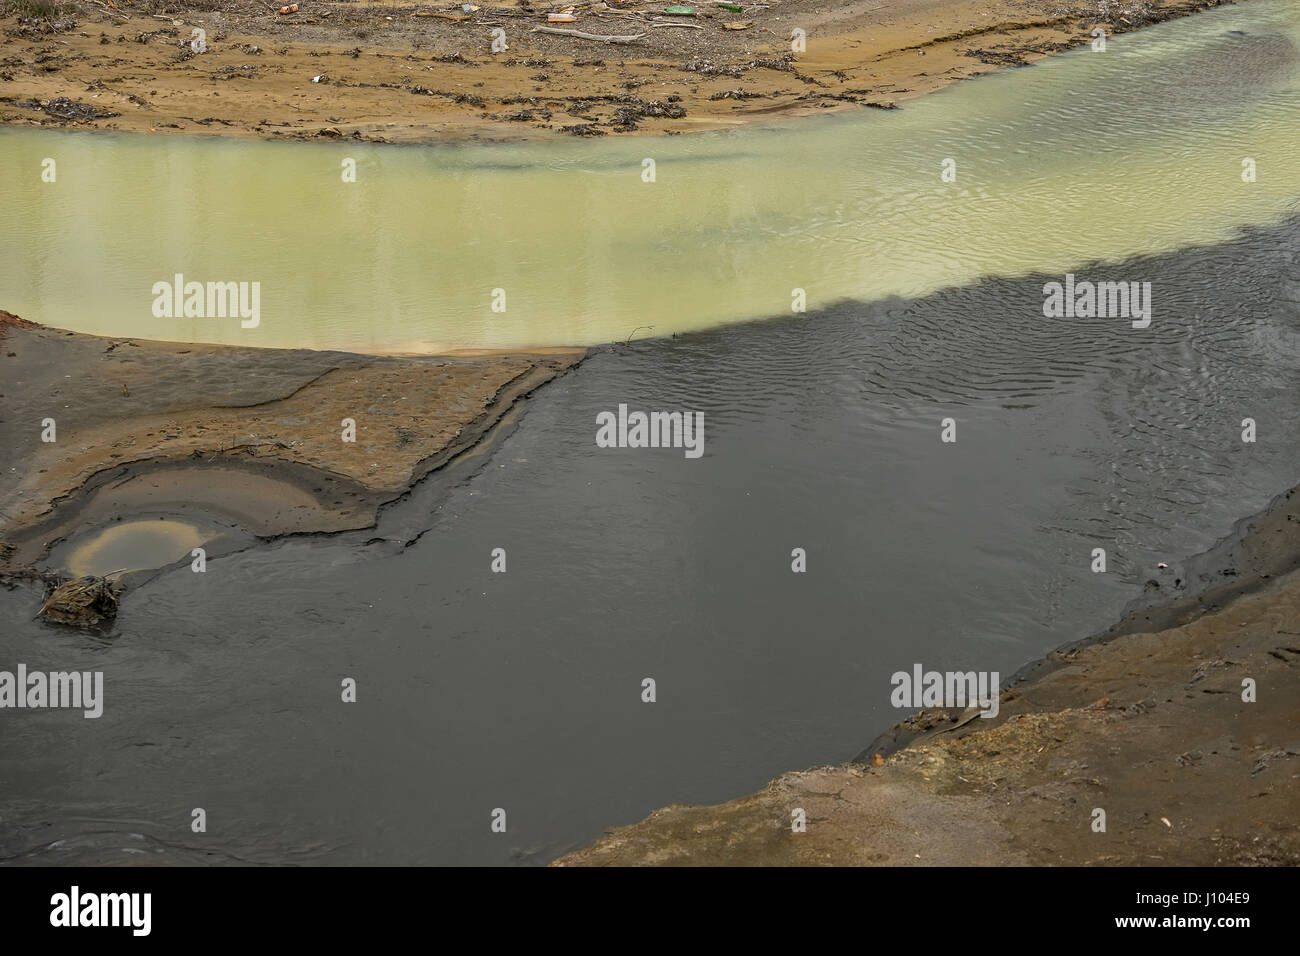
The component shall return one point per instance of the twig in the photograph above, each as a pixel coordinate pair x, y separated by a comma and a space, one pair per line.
684, 26
116, 13
636, 330
631, 38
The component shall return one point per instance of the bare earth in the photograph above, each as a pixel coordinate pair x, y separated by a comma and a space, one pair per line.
417, 72
251, 435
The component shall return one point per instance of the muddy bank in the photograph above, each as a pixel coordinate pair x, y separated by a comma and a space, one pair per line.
252, 436
414, 72
1261, 549
1144, 722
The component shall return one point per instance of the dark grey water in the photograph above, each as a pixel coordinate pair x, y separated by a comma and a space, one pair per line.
522, 690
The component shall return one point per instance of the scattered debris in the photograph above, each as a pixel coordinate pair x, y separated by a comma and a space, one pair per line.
467, 98
632, 108
65, 109
626, 38
782, 62
36, 26
1204, 669
1265, 760
83, 603
709, 68
243, 71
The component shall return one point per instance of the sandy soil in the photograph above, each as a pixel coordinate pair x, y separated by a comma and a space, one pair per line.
251, 435
415, 72
1147, 725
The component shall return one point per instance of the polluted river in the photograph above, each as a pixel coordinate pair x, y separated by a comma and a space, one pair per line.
821, 431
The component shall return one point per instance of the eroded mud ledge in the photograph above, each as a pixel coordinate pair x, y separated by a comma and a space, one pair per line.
1145, 721
252, 436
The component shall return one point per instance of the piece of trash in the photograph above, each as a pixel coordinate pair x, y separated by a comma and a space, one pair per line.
733, 7
1161, 565
877, 760
738, 25
1165, 821
680, 11
83, 603
291, 8
318, 79
469, 8
561, 18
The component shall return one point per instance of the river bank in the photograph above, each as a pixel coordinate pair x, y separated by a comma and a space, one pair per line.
255, 437
1146, 722
414, 72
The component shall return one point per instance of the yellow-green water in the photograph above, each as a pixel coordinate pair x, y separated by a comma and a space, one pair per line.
1087, 156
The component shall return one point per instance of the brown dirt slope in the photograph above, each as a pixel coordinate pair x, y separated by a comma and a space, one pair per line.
416, 72
253, 434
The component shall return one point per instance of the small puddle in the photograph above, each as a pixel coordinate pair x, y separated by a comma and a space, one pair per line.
132, 546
